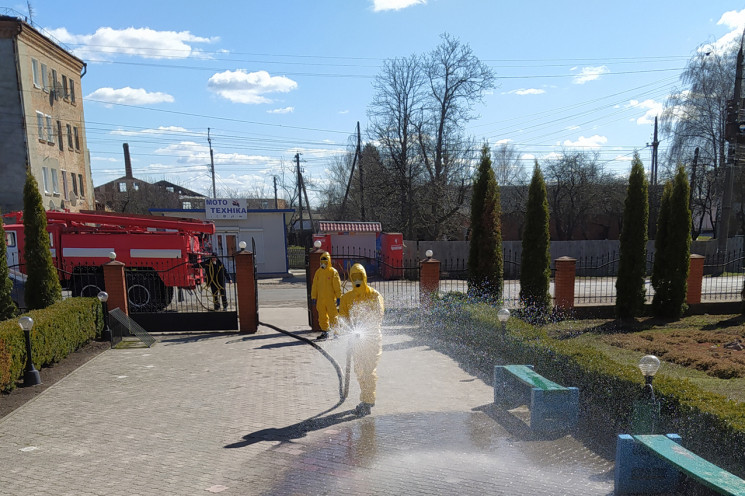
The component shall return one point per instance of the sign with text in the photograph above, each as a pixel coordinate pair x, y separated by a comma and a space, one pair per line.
225, 208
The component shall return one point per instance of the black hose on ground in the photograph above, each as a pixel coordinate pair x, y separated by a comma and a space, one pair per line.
343, 378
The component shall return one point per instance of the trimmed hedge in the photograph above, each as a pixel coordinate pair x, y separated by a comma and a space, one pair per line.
710, 425
58, 331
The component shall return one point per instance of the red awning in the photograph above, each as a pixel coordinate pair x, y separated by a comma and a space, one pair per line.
349, 226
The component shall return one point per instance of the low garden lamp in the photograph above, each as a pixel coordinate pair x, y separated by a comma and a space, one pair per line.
503, 315
31, 377
649, 365
646, 410
103, 297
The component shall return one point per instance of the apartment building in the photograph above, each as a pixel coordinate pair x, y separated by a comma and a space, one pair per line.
41, 117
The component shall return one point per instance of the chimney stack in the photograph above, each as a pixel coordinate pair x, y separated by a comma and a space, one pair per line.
127, 162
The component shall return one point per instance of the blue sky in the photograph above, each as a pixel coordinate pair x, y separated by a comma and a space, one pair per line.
274, 78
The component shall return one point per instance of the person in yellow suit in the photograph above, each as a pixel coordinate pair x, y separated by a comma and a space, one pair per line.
363, 309
324, 294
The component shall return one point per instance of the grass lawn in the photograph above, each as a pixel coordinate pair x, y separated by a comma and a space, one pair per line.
708, 350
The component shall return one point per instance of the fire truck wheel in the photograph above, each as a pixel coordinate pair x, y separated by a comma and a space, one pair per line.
147, 293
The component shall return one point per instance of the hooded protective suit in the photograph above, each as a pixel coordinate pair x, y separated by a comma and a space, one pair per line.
325, 292
364, 305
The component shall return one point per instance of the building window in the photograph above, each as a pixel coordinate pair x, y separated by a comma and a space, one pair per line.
77, 140
74, 184
69, 136
122, 187
45, 177
136, 186
35, 70
186, 205
44, 77
55, 84
59, 136
50, 129
82, 189
72, 91
55, 182
40, 124
10, 239
65, 193
65, 93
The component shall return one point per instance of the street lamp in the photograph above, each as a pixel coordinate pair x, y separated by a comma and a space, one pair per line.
503, 315
103, 297
31, 377
646, 409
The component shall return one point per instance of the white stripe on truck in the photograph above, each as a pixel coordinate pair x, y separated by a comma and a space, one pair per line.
155, 253
86, 252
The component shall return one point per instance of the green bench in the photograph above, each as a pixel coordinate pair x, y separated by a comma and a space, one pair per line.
654, 463
553, 407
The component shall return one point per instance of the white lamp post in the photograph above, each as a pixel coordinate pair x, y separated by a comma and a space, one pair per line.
103, 297
31, 377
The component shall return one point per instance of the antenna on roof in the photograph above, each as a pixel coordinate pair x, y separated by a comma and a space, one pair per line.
30, 12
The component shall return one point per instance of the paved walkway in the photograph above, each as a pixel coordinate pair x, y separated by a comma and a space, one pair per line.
248, 415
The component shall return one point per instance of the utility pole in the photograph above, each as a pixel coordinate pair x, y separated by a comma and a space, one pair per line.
299, 194
362, 184
655, 146
732, 135
357, 153
212, 164
276, 203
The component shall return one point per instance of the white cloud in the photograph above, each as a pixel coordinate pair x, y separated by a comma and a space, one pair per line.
161, 130
104, 159
735, 21
590, 74
504, 141
652, 109
572, 128
192, 153
381, 5
129, 96
343, 112
623, 158
285, 110
593, 141
526, 91
140, 42
249, 87
527, 156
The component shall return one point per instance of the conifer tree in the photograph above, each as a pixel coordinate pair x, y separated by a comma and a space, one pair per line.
632, 266
7, 308
485, 264
672, 249
42, 286
535, 263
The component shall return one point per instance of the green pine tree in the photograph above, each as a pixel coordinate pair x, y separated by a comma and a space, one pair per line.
535, 263
485, 264
630, 292
7, 308
42, 286
672, 249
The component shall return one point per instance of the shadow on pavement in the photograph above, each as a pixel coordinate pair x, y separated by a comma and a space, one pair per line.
186, 338
295, 431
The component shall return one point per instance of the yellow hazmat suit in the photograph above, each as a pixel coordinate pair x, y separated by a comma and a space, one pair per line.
325, 292
363, 308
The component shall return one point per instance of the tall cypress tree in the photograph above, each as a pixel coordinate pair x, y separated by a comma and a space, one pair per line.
632, 266
535, 263
485, 264
42, 286
7, 308
672, 249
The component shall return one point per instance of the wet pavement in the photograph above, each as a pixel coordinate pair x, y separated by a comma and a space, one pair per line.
260, 414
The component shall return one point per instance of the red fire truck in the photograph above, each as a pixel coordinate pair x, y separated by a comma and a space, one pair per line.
159, 254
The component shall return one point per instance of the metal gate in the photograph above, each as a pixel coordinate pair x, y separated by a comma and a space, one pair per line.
158, 304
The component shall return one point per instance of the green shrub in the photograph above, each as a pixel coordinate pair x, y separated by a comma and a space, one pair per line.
58, 331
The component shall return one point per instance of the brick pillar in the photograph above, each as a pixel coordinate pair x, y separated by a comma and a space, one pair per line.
314, 263
116, 286
564, 282
429, 279
695, 279
245, 280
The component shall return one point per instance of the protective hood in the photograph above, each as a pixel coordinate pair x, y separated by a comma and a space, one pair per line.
325, 260
357, 275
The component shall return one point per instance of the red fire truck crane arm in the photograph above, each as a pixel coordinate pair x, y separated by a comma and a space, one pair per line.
140, 221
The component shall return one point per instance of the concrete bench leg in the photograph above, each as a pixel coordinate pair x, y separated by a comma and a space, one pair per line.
508, 390
638, 470
554, 410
